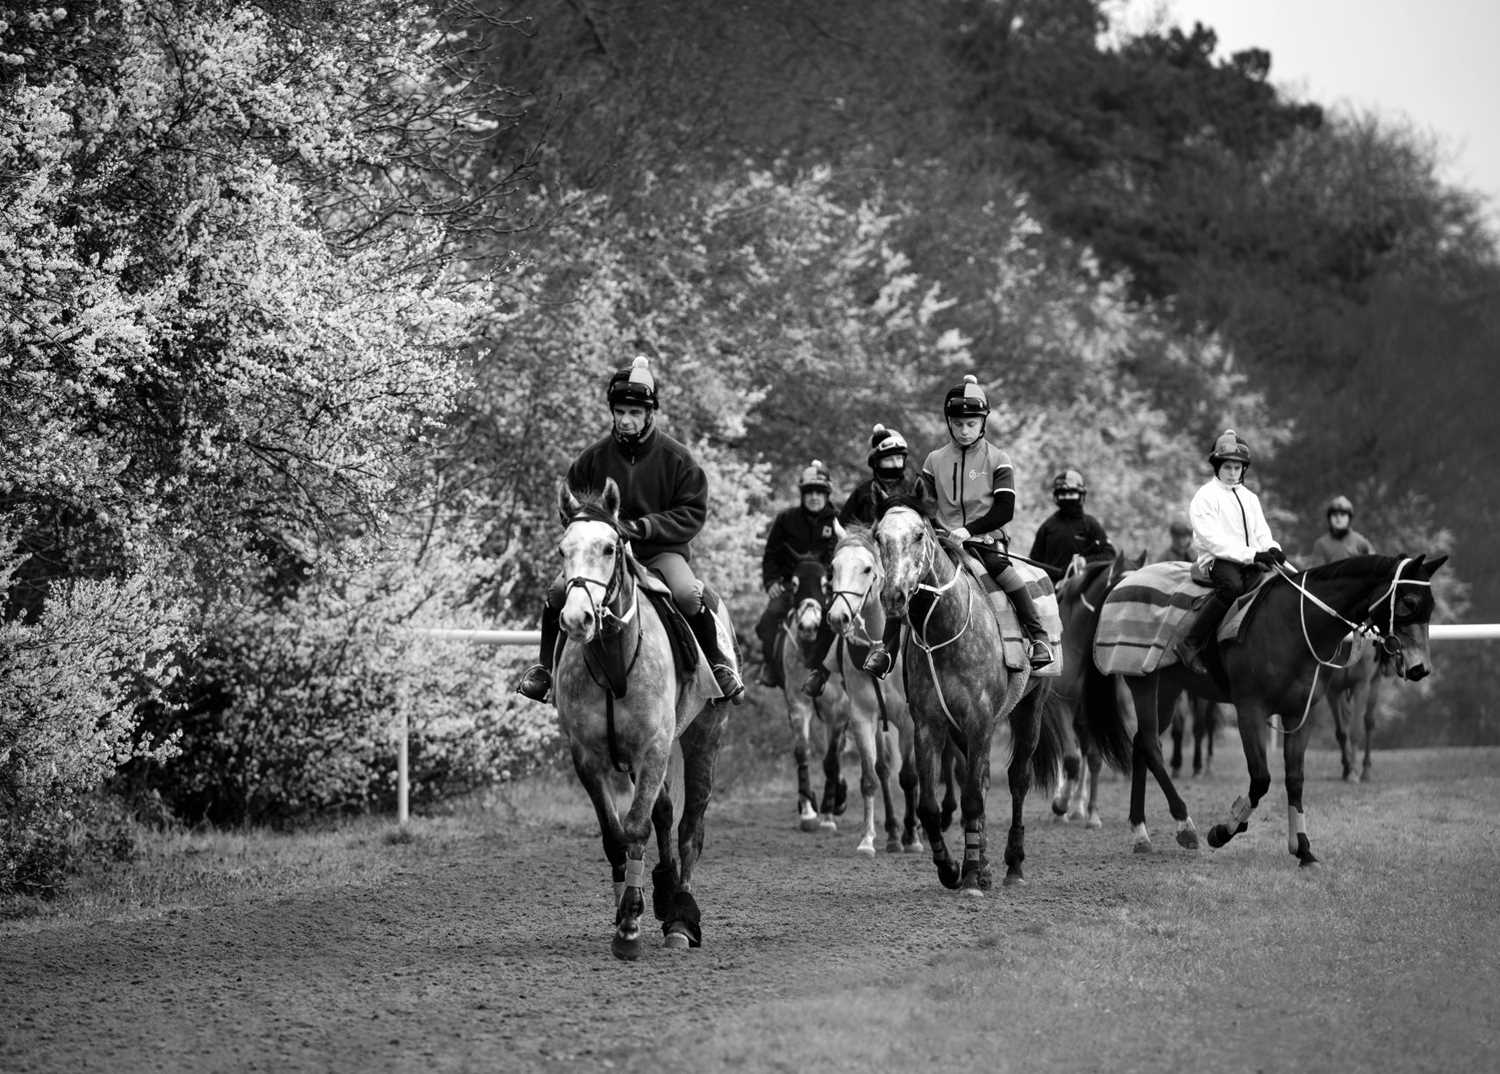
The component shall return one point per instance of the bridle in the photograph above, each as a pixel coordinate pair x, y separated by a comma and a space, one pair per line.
1390, 642
611, 590
919, 633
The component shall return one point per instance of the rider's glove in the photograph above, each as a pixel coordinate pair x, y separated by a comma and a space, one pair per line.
1279, 555
632, 529
775, 589
1265, 559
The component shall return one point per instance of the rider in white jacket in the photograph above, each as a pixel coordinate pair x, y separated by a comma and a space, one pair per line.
1231, 538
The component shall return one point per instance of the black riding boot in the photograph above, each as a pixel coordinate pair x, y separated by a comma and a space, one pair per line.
1039, 653
882, 657
536, 681
817, 674
1191, 648
705, 629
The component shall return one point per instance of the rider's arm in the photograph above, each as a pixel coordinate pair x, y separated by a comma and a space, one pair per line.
680, 518
1003, 507
774, 565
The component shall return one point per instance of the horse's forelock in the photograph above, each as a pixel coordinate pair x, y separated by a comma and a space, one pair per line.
591, 509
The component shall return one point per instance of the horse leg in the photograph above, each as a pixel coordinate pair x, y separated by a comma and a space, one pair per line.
665, 877
1155, 705
886, 747
950, 784
932, 766
596, 786
682, 926
870, 781
1095, 758
1178, 722
911, 841
1069, 787
975, 875
1340, 702
637, 827
1293, 749
799, 714
1371, 702
1025, 732
1251, 717
835, 790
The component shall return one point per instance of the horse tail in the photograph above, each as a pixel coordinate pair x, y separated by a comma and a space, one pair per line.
1104, 720
1054, 718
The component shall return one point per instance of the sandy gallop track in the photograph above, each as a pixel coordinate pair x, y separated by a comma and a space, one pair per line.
491, 952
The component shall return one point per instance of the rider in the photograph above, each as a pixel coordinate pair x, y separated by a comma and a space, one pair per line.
1068, 531
1232, 537
1181, 548
797, 532
888, 477
1340, 542
663, 505
973, 484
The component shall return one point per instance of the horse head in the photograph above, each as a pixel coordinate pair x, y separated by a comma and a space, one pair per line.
1401, 614
809, 578
856, 573
593, 556
908, 548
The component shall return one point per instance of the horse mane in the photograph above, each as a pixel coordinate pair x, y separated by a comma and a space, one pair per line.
1354, 567
920, 504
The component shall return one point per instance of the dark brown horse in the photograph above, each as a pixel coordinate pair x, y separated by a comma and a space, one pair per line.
1286, 642
1204, 717
959, 689
622, 703
1099, 703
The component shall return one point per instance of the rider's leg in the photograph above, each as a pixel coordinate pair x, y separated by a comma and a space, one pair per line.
1014, 586
766, 630
536, 681
884, 655
687, 592
817, 670
1228, 580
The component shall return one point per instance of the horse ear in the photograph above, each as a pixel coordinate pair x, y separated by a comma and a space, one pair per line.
1430, 566
567, 503
611, 498
838, 530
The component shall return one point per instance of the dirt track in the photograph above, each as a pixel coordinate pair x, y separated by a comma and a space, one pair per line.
489, 951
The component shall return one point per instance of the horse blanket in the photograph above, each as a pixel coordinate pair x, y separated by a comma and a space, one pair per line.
1149, 610
1013, 646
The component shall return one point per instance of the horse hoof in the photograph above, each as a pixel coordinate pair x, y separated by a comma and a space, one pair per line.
866, 849
893, 846
1142, 846
1188, 840
675, 941
809, 824
914, 847
972, 893
1014, 880
1059, 809
827, 824
1094, 821
1218, 835
626, 950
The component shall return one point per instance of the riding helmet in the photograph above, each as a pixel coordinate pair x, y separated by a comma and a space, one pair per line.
633, 385
1229, 448
815, 478
1067, 482
966, 400
1340, 503
1180, 528
887, 449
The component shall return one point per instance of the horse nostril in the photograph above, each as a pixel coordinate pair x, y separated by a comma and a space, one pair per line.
1417, 673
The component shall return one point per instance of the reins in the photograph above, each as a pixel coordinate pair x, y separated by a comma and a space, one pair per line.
918, 634
611, 625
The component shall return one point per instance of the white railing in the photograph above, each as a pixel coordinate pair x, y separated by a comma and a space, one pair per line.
1437, 632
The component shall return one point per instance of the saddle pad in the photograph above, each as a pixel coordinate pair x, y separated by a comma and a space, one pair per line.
1234, 619
1143, 617
687, 654
1013, 646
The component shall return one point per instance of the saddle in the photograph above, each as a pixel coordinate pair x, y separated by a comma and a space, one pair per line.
1013, 644
687, 654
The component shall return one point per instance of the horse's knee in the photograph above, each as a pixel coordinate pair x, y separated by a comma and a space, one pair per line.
1259, 785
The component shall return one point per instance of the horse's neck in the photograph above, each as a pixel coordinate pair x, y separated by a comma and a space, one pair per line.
1349, 597
954, 591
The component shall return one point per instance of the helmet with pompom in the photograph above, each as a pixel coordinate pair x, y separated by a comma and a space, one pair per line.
815, 478
1229, 448
1068, 483
966, 399
1339, 503
634, 385
888, 449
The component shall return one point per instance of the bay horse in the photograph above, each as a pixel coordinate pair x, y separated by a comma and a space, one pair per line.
959, 689
622, 703
1099, 703
881, 719
1286, 641
799, 628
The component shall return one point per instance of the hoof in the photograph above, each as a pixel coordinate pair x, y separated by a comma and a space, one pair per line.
827, 824
675, 941
867, 848
1141, 846
948, 875
1310, 863
1059, 808
1093, 821
1014, 880
1187, 839
1218, 835
626, 949
808, 822
971, 893
914, 847
893, 846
